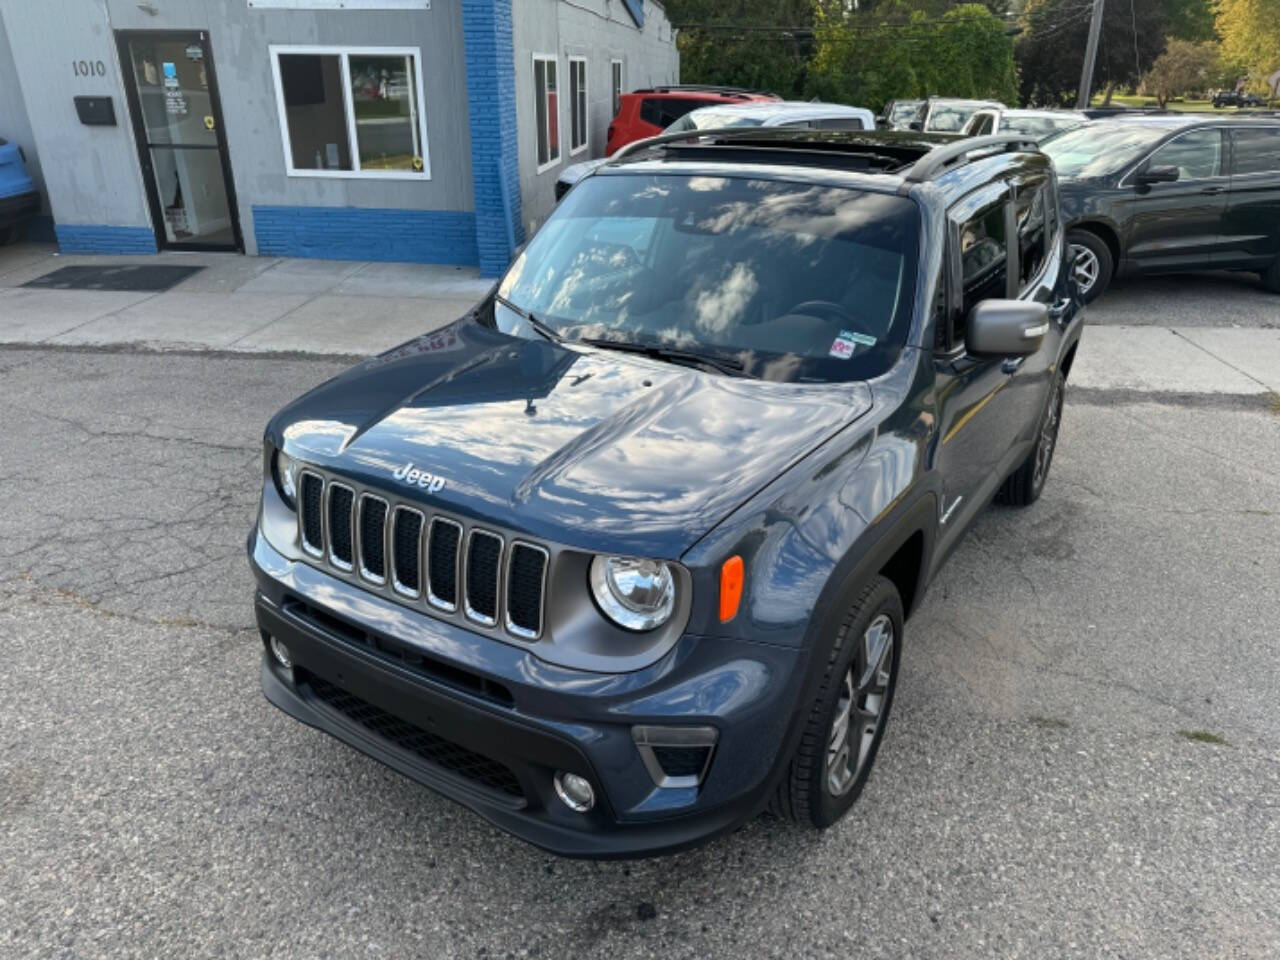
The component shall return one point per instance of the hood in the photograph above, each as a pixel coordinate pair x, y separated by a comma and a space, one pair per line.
592, 448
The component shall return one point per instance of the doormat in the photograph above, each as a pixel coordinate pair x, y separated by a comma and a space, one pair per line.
149, 278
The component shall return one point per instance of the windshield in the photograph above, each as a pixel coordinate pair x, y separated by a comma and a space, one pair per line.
711, 118
1100, 149
1038, 127
904, 112
793, 281
947, 118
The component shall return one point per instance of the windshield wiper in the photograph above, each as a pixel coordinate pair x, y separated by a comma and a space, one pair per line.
726, 365
539, 326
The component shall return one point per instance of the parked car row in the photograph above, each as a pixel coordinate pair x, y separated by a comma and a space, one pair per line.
1144, 190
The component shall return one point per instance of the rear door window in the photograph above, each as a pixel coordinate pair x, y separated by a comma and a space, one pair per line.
983, 247
1255, 151
664, 111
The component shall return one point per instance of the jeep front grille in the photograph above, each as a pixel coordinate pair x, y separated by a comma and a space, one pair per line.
430, 561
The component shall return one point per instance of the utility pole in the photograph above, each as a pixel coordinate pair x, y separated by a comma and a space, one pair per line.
1090, 56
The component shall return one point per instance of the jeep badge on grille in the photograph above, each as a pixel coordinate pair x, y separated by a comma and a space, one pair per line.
415, 477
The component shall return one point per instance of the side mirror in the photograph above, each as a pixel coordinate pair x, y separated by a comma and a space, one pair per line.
1006, 328
1157, 175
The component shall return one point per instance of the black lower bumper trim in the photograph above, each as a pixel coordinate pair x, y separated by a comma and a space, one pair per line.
530, 755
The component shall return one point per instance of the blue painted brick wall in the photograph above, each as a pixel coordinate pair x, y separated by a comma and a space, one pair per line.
491, 100
360, 233
84, 238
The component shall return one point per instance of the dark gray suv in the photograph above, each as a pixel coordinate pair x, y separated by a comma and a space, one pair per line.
624, 555
1168, 194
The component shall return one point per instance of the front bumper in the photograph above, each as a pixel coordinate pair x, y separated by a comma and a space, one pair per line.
488, 724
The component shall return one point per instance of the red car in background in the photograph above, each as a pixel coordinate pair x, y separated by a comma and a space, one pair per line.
647, 112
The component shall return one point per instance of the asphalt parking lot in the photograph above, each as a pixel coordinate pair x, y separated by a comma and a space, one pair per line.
1084, 758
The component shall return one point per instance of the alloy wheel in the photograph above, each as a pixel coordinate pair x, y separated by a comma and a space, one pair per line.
1084, 267
860, 708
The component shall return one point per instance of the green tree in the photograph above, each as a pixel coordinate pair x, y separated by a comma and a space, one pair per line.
1250, 32
757, 44
1182, 68
1051, 49
1189, 20
895, 51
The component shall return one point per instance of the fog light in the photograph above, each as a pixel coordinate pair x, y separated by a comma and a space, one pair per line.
575, 791
281, 653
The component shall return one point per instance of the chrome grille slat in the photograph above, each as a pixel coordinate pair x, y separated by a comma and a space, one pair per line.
443, 546
339, 517
407, 525
373, 538
424, 559
483, 576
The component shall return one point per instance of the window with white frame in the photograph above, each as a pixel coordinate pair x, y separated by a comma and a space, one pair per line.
577, 104
615, 78
351, 111
546, 110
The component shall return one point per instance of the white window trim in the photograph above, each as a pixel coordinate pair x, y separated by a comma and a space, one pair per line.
573, 105
344, 53
553, 161
622, 86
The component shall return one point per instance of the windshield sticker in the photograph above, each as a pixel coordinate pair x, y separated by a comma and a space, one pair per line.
844, 345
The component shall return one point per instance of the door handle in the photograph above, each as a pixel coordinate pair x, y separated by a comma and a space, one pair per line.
1213, 190
1011, 364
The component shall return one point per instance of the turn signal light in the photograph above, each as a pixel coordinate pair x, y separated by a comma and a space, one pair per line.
731, 575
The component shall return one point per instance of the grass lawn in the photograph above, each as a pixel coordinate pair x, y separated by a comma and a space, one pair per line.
1186, 106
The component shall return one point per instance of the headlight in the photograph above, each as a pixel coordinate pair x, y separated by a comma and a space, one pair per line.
635, 594
286, 477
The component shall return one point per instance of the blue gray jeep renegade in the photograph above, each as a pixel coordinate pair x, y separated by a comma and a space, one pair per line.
622, 557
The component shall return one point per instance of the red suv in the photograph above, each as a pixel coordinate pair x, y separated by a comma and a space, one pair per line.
646, 113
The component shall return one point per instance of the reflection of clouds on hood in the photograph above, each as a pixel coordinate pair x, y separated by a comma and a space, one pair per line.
723, 304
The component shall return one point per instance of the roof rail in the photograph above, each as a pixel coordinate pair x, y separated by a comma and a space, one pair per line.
637, 145
940, 159
702, 87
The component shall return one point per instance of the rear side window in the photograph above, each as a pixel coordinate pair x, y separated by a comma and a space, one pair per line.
982, 124
1197, 155
1256, 151
664, 111
1030, 215
984, 263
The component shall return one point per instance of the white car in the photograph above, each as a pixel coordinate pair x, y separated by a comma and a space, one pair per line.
1039, 124
766, 113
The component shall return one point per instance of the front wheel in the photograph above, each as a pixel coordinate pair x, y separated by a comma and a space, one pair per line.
848, 716
1091, 263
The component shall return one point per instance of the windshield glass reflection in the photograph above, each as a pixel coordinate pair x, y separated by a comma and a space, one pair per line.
794, 281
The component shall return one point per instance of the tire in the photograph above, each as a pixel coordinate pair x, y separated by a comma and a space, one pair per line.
1092, 265
868, 642
1271, 277
1024, 486
6, 234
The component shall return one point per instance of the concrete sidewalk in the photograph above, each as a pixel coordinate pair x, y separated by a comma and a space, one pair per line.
265, 305
256, 304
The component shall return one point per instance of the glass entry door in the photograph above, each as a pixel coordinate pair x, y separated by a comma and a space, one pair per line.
177, 119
